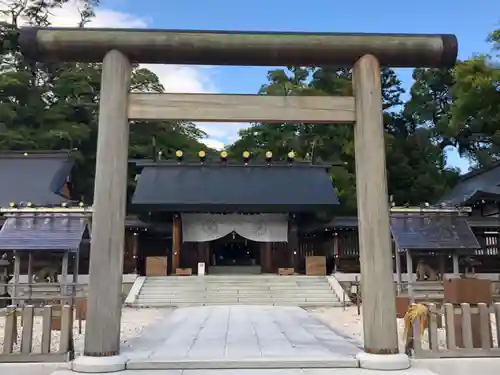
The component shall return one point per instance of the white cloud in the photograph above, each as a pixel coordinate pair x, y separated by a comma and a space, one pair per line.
175, 78
213, 143
69, 16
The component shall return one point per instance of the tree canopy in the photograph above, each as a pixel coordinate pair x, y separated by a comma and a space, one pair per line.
53, 106
416, 164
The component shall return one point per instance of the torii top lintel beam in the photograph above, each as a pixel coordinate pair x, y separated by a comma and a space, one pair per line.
237, 47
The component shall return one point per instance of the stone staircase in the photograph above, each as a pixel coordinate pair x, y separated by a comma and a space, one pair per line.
303, 291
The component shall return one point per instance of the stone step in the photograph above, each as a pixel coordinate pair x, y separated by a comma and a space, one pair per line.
242, 296
238, 278
228, 296
243, 301
234, 290
180, 283
270, 302
322, 289
255, 280
235, 300
201, 282
186, 304
251, 278
195, 279
236, 296
248, 281
238, 287
262, 365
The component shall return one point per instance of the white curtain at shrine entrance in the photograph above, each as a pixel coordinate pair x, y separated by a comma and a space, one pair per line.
259, 228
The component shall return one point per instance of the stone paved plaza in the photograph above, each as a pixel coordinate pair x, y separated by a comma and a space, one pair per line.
239, 340
240, 337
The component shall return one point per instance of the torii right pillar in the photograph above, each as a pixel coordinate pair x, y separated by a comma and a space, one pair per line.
381, 351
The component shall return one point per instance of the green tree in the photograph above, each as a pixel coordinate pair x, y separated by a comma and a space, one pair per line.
53, 106
461, 106
476, 107
413, 160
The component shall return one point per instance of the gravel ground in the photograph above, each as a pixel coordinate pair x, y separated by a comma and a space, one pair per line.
349, 323
134, 321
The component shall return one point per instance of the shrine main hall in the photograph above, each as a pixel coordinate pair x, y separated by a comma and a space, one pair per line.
242, 217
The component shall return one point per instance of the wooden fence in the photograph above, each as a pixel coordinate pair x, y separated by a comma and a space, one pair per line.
37, 324
467, 332
22, 342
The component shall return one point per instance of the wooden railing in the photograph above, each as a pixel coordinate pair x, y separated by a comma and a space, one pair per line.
481, 323
23, 343
433, 291
41, 293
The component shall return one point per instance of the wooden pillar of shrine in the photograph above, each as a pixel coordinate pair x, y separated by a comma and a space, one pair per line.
293, 242
266, 258
135, 252
336, 257
176, 242
129, 261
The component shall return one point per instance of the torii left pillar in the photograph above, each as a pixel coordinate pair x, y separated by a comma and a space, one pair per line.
377, 280
102, 336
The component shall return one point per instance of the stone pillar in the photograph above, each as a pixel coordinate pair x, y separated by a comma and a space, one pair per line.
377, 283
102, 336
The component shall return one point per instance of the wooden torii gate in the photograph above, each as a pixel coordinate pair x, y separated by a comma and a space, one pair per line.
118, 49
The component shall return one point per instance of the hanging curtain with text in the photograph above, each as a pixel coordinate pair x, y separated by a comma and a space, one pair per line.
259, 228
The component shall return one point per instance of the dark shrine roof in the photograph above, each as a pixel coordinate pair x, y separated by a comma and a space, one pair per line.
43, 232
432, 232
234, 188
35, 177
473, 186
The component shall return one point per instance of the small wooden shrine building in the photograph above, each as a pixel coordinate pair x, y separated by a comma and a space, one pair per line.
234, 217
439, 233
42, 180
479, 191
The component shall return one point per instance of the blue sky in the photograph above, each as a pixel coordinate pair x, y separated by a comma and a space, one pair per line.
471, 21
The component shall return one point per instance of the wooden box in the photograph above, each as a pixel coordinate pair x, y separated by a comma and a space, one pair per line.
156, 266
286, 271
183, 271
402, 305
81, 308
469, 290
56, 317
316, 265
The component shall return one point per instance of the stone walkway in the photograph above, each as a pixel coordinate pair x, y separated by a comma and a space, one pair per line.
240, 337
310, 371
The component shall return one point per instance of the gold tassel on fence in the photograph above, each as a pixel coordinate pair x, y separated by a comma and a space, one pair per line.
416, 311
